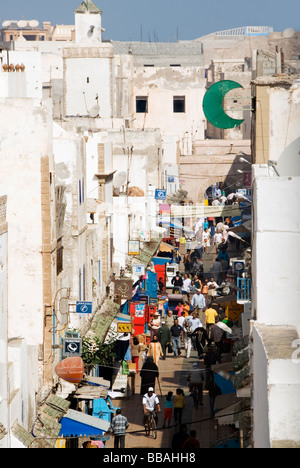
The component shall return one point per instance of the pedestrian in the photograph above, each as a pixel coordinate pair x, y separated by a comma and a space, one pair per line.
216, 270
89, 444
179, 309
180, 437
210, 319
195, 380
187, 261
179, 405
119, 425
149, 373
150, 404
212, 290
217, 238
169, 319
217, 336
206, 240
177, 257
177, 337
155, 349
198, 304
136, 348
186, 309
192, 289
197, 282
197, 270
164, 336
205, 289
186, 284
191, 324
177, 282
161, 285
154, 325
201, 338
191, 442
213, 391
210, 359
168, 409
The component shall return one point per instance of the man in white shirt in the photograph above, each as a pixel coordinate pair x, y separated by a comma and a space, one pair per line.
198, 303
150, 402
212, 290
190, 325
186, 284
217, 238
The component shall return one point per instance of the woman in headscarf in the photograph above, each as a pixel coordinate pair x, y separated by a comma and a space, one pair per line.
149, 373
155, 350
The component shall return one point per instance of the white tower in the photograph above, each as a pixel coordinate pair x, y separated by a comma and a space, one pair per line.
88, 23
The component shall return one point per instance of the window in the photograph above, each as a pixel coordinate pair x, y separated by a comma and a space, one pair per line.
179, 104
59, 256
141, 104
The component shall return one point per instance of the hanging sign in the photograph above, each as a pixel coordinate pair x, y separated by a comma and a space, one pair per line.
123, 288
160, 194
84, 307
133, 247
124, 327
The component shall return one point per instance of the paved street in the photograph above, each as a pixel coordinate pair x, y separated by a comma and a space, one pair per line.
173, 373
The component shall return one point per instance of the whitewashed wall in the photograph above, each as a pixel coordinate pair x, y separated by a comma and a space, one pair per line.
276, 250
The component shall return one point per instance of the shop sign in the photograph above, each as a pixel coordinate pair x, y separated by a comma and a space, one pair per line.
133, 247
145, 236
124, 327
138, 270
84, 307
160, 194
123, 288
234, 310
71, 347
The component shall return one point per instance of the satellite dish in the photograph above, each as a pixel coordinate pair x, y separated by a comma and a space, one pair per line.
288, 33
119, 179
22, 24
6, 23
33, 23
213, 104
94, 111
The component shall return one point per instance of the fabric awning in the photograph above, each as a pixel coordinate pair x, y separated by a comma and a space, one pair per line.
93, 389
149, 251
103, 319
78, 424
164, 247
228, 415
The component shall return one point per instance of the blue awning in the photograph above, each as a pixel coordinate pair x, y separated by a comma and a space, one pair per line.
78, 424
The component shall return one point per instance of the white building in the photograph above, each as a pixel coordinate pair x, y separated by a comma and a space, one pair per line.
275, 326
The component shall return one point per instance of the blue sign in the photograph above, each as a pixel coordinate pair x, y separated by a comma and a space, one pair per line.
160, 194
83, 307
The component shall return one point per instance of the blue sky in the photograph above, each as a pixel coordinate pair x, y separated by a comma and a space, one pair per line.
162, 20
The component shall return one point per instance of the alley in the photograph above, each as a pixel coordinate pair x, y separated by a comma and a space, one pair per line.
172, 375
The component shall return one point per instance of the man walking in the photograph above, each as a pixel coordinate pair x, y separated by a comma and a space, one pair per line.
191, 324
210, 319
177, 336
119, 425
164, 336
198, 303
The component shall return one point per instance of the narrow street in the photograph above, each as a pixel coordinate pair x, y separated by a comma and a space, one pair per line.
173, 374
